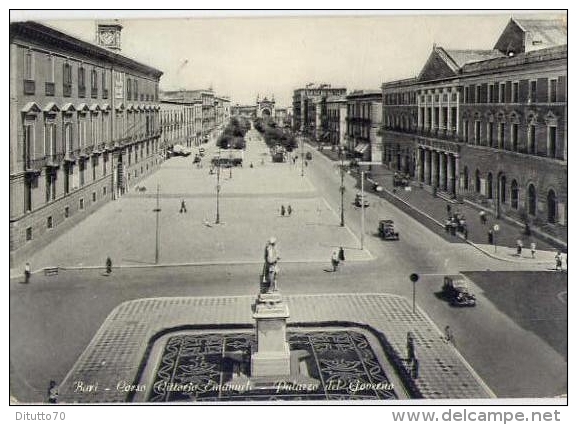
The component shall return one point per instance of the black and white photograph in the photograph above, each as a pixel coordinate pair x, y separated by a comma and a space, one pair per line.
284, 207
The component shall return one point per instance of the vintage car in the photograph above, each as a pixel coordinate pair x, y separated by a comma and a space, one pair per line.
359, 201
456, 290
387, 230
308, 156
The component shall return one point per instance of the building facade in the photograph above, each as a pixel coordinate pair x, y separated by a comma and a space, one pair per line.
84, 125
337, 121
489, 126
179, 123
364, 116
308, 105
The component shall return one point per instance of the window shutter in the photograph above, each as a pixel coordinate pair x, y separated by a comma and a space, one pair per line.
523, 91
561, 89
542, 89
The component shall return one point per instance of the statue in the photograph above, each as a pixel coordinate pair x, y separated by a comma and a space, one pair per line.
270, 269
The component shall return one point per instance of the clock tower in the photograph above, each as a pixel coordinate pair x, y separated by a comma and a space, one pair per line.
108, 35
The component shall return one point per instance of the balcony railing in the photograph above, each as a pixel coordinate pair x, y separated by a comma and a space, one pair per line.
34, 165
54, 160
49, 89
29, 86
67, 90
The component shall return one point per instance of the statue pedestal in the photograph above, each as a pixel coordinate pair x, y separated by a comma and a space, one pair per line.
272, 356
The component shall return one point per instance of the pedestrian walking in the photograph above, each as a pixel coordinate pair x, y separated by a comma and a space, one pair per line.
341, 254
533, 249
519, 247
490, 236
27, 272
52, 393
108, 265
182, 206
410, 346
465, 233
558, 261
335, 261
282, 210
483, 217
449, 338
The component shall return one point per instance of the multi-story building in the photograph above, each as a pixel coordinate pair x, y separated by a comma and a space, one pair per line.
337, 120
84, 124
208, 105
178, 123
489, 125
308, 106
222, 110
247, 111
364, 116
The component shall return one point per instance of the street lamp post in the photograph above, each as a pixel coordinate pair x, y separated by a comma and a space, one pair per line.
157, 211
230, 160
342, 188
414, 277
496, 229
302, 157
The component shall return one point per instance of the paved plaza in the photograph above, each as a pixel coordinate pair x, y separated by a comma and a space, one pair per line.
249, 211
119, 347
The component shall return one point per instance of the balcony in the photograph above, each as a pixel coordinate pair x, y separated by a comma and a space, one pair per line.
105, 93
71, 156
34, 165
54, 160
81, 91
29, 86
49, 89
85, 152
67, 90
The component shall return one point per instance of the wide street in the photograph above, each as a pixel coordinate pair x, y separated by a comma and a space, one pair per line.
58, 315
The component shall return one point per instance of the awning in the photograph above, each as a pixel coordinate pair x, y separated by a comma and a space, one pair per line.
361, 148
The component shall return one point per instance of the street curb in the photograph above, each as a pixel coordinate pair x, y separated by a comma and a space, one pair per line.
495, 257
197, 264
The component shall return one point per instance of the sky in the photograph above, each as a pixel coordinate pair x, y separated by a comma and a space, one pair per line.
241, 57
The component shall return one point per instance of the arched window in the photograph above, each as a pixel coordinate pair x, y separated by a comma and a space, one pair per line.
551, 206
490, 186
531, 200
514, 194
503, 189
466, 178
477, 181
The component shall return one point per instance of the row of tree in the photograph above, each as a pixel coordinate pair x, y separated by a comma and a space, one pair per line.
274, 135
233, 134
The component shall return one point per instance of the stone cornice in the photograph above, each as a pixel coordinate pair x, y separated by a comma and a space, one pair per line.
45, 35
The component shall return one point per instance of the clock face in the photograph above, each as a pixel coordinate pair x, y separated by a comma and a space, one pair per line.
107, 38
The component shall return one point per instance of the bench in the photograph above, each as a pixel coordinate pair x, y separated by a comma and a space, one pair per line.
50, 271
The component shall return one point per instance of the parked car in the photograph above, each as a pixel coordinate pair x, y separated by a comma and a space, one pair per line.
387, 230
308, 156
359, 201
456, 290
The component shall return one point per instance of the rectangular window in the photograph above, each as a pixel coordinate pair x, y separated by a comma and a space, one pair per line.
104, 191
93, 196
533, 91
531, 139
466, 131
94, 84
491, 93
104, 86
478, 94
501, 135
81, 82
66, 212
29, 233
490, 140
514, 137
51, 69
49, 222
552, 91
136, 89
29, 65
28, 146
502, 93
67, 80
552, 142
81, 204
50, 187
81, 169
128, 89
515, 92
477, 132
